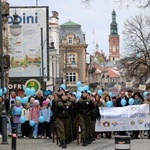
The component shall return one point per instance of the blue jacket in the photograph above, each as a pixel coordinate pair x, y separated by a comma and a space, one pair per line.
46, 113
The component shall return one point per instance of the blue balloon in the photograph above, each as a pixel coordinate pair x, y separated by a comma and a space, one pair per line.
109, 104
131, 101
27, 91
31, 123
18, 111
1, 92
145, 94
123, 102
78, 84
24, 100
18, 98
32, 91
110, 94
41, 119
22, 119
5, 90
63, 86
100, 92
78, 96
80, 89
86, 88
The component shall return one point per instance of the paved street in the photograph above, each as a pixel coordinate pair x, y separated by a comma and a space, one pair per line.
101, 144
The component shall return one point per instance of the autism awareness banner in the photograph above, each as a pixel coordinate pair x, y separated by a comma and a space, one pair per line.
127, 118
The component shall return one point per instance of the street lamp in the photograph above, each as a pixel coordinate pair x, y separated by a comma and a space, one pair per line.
52, 53
15, 30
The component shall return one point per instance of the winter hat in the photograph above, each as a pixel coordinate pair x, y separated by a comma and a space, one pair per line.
36, 101
45, 102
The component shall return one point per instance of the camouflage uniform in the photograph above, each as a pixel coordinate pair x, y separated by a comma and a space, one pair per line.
63, 117
84, 107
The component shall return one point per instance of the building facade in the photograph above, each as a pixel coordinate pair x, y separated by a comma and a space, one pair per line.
72, 50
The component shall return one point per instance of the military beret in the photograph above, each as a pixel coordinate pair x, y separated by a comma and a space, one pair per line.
60, 89
84, 91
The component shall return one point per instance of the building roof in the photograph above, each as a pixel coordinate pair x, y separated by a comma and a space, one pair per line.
70, 23
74, 28
113, 73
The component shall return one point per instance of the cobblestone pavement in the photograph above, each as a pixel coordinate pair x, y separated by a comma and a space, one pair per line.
101, 144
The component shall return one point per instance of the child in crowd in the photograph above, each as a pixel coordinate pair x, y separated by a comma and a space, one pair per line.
25, 126
45, 126
34, 115
16, 114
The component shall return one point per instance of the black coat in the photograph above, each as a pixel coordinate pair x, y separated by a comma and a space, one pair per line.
118, 101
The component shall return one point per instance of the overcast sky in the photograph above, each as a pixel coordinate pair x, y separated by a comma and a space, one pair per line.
96, 18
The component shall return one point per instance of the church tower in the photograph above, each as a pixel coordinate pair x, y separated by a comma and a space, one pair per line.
114, 48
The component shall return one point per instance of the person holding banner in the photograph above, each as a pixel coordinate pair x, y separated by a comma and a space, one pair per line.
137, 101
100, 103
107, 98
120, 104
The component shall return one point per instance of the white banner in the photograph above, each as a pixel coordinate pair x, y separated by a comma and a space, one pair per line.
127, 118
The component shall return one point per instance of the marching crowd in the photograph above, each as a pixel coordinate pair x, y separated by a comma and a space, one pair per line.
60, 115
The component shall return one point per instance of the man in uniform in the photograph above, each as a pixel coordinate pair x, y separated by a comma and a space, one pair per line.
83, 108
53, 108
63, 116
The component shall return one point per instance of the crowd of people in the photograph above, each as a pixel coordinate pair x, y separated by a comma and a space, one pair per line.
65, 115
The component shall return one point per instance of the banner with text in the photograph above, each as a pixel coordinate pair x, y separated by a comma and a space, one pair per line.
127, 118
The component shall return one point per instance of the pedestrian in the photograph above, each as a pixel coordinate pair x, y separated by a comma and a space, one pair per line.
39, 97
107, 98
83, 108
31, 100
100, 103
1, 100
25, 126
95, 115
63, 117
118, 104
34, 115
137, 101
16, 113
45, 126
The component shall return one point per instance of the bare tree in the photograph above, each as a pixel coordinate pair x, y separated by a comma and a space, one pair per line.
138, 3
137, 46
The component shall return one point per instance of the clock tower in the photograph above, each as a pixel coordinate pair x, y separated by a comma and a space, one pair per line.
114, 48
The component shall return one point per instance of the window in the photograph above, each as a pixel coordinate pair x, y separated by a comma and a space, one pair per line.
71, 77
70, 58
70, 41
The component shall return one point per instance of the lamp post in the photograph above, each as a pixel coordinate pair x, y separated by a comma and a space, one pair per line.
15, 30
53, 53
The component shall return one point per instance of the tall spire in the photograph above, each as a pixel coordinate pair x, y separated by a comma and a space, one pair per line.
113, 25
